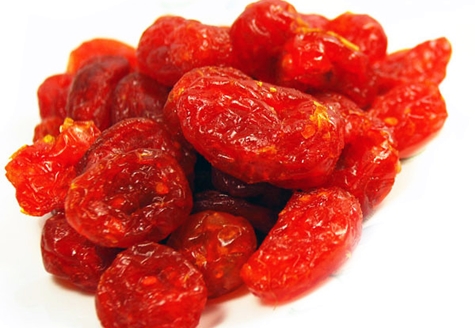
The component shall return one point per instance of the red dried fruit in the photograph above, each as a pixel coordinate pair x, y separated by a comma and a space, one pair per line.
133, 133
260, 217
91, 91
369, 163
99, 47
315, 20
172, 46
150, 285
52, 95
313, 237
416, 112
41, 173
259, 33
426, 62
127, 198
138, 95
218, 243
48, 126
362, 30
280, 135
71, 257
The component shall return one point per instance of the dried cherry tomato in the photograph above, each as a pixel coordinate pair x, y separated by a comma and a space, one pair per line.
138, 95
218, 243
42, 172
261, 218
259, 33
172, 46
99, 47
48, 126
314, 235
52, 95
362, 30
91, 91
260, 132
426, 62
150, 285
126, 198
416, 112
71, 257
133, 133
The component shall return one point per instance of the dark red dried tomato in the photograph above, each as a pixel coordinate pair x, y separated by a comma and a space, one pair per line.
126, 198
218, 243
416, 112
138, 95
426, 62
52, 95
314, 235
133, 133
150, 285
41, 173
172, 46
92, 87
259, 33
261, 218
71, 257
362, 30
99, 47
260, 132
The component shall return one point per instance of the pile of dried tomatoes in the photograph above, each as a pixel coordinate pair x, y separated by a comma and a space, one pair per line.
209, 157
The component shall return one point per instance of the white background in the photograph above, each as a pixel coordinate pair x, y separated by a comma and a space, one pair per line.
414, 265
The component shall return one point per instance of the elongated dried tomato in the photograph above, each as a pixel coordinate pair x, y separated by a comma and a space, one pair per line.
91, 91
138, 95
218, 243
426, 62
172, 46
416, 112
99, 47
150, 285
42, 172
314, 235
127, 198
71, 257
260, 132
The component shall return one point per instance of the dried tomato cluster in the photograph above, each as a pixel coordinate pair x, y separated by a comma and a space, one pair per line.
209, 157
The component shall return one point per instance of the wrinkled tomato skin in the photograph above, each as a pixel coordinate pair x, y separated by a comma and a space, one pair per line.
42, 172
218, 243
133, 133
99, 47
261, 218
150, 285
127, 198
426, 62
71, 257
416, 112
91, 90
48, 126
138, 95
369, 163
172, 46
280, 135
313, 237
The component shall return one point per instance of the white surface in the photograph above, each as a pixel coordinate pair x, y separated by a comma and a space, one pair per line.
414, 265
